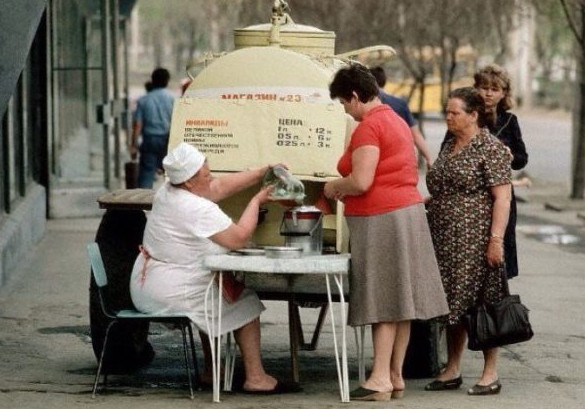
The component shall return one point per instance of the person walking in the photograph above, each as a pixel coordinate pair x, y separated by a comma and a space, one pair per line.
394, 275
152, 121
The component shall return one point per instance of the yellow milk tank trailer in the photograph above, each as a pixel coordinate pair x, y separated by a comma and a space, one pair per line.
268, 102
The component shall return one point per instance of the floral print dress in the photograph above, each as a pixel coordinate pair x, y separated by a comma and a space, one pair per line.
460, 214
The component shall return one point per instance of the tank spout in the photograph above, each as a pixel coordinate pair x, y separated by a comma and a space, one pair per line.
274, 39
279, 17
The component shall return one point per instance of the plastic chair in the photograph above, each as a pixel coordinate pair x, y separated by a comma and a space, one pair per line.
180, 320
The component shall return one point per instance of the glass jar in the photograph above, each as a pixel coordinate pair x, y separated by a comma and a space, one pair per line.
286, 186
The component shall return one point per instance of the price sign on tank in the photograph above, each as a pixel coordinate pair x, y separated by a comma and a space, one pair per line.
237, 135
297, 132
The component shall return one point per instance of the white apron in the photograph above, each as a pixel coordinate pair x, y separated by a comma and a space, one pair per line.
176, 238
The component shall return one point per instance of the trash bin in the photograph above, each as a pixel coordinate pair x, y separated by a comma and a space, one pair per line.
119, 235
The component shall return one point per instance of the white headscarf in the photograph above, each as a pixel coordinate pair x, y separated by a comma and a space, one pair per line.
183, 162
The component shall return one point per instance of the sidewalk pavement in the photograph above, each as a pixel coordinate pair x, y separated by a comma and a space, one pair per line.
46, 359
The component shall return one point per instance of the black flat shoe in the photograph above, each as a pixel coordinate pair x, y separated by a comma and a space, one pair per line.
492, 389
450, 384
365, 394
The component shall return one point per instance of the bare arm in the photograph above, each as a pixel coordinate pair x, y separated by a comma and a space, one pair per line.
231, 184
500, 212
421, 145
364, 163
238, 234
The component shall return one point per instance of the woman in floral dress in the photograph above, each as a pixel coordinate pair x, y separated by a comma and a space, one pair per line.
494, 85
468, 212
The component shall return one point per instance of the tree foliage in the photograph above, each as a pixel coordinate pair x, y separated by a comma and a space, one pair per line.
181, 29
194, 26
427, 34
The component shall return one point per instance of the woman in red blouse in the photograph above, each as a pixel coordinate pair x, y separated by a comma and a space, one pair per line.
394, 276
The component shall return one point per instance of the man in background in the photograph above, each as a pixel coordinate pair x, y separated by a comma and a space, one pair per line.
152, 120
401, 108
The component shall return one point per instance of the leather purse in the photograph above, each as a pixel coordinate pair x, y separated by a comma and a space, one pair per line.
494, 325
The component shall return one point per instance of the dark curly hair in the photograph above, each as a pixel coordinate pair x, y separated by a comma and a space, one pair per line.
354, 78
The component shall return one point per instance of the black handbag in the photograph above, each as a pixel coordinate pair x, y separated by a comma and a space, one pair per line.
495, 325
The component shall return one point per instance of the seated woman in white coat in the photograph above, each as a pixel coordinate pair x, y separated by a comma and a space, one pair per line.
184, 226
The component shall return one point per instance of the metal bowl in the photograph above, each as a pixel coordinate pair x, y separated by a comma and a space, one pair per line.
248, 252
283, 252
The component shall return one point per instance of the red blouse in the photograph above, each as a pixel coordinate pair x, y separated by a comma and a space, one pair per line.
396, 176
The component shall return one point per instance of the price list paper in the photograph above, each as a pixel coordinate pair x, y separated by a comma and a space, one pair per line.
237, 135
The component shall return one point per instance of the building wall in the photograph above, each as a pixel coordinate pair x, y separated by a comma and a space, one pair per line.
56, 158
21, 230
23, 157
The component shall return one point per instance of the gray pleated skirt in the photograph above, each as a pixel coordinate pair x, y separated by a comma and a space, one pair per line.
394, 274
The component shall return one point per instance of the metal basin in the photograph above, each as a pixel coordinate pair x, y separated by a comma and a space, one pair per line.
283, 252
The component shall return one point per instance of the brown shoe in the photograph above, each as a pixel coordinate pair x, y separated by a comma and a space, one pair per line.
365, 394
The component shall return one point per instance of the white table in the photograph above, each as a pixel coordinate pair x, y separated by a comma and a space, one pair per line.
331, 265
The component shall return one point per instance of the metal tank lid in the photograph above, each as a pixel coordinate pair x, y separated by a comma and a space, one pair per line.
284, 32
288, 27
